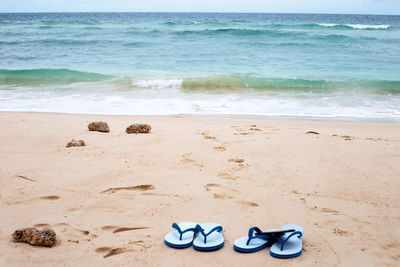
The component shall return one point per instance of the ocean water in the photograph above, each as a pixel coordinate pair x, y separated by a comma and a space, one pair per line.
201, 63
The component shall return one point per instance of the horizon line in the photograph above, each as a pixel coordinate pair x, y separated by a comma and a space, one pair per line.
194, 12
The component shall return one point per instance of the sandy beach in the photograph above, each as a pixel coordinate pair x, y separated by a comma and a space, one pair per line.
112, 201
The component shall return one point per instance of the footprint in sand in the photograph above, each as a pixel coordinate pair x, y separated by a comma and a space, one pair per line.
143, 187
220, 192
248, 203
220, 148
253, 127
53, 197
245, 133
312, 132
25, 178
237, 160
339, 232
250, 130
72, 234
108, 251
186, 158
222, 196
226, 175
328, 210
208, 136
345, 137
209, 186
50, 197
117, 229
124, 229
223, 193
230, 174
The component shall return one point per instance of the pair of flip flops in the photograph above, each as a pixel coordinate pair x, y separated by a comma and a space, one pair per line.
209, 236
285, 243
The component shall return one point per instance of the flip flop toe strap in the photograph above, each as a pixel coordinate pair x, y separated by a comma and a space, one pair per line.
252, 236
282, 242
176, 226
201, 230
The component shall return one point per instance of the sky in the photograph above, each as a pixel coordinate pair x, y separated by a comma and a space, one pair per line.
267, 6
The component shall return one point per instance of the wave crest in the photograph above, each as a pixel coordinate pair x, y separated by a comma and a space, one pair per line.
48, 77
237, 82
356, 26
225, 83
332, 26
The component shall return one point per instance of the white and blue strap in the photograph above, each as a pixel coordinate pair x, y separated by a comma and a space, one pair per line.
201, 230
176, 226
251, 234
282, 242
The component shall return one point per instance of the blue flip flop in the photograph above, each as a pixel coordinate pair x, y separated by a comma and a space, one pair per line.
182, 236
210, 237
252, 242
288, 245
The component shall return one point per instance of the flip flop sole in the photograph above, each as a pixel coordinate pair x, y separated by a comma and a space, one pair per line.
209, 248
243, 250
290, 256
178, 246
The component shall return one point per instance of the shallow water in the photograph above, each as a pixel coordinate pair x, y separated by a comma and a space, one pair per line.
173, 63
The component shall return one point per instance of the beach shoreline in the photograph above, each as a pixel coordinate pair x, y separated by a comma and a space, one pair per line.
276, 118
112, 201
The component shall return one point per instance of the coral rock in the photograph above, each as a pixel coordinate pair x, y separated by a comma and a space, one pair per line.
99, 126
35, 237
74, 142
138, 128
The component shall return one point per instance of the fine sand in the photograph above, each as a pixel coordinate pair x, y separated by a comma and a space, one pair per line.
112, 201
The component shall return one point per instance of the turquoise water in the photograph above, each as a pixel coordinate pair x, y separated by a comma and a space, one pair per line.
174, 63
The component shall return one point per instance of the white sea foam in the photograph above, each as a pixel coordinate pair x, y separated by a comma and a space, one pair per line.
365, 27
171, 102
357, 26
327, 24
158, 83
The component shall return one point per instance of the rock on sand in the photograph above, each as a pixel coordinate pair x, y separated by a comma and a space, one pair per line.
74, 142
99, 126
138, 128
